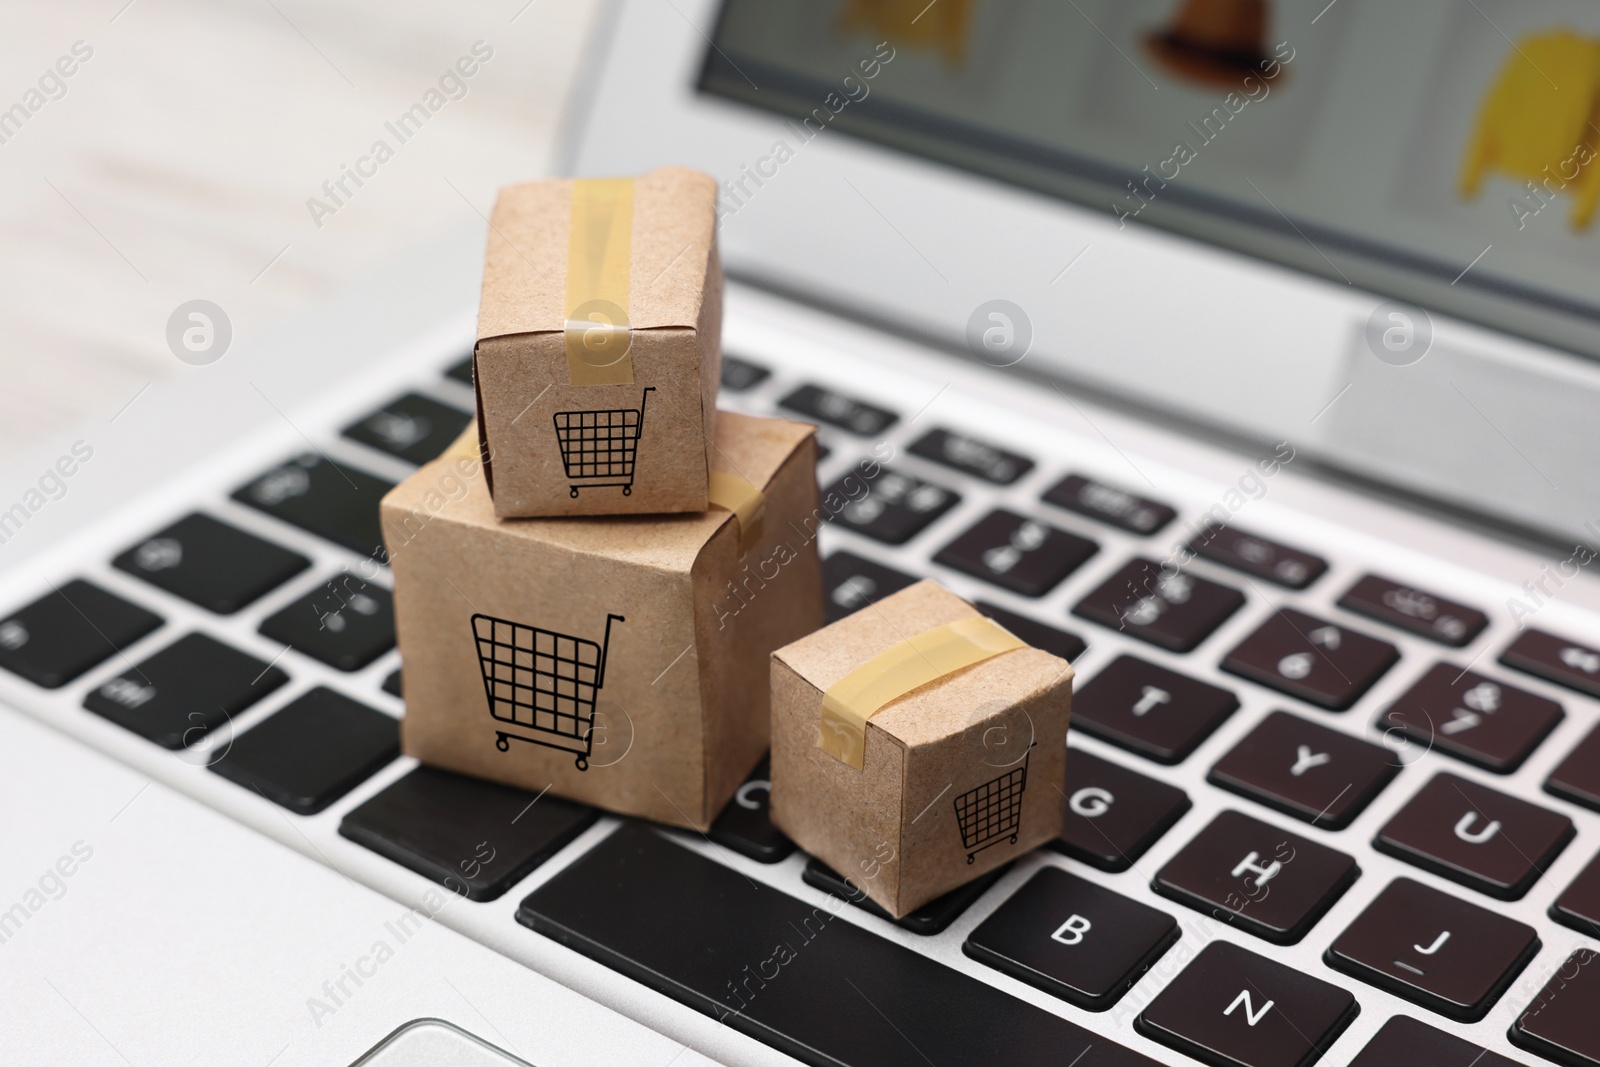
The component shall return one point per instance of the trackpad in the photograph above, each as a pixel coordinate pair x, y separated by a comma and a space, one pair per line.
435, 1043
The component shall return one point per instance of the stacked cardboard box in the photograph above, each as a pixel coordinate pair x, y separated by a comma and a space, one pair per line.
917, 745
573, 580
609, 590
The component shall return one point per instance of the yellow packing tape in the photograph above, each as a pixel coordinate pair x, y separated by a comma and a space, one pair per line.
733, 493
897, 670
466, 446
599, 256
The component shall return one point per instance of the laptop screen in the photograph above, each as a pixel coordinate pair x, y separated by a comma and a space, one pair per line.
1440, 151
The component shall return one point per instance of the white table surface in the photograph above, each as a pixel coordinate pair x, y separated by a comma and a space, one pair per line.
178, 164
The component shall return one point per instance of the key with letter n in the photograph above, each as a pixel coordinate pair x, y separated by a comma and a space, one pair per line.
1252, 1014
1232, 1006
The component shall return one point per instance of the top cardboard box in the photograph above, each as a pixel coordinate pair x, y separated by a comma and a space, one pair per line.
599, 346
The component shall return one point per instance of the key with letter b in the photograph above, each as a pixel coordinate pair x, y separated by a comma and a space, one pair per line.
1072, 938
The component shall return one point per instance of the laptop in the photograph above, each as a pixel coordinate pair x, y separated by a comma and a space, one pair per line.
1243, 353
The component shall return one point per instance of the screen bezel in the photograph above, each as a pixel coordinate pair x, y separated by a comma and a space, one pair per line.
1256, 349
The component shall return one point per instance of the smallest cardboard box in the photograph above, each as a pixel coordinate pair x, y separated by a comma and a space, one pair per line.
916, 745
599, 346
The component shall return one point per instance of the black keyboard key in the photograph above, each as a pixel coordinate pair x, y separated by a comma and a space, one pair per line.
210, 563
461, 372
1482, 721
1110, 505
1482, 838
972, 456
1232, 1008
836, 409
1555, 659
1068, 646
392, 685
311, 752
702, 934
1258, 556
1160, 714
178, 696
1312, 659
1072, 939
1262, 879
413, 427
1578, 906
1578, 777
1560, 1024
1017, 553
66, 632
932, 918
474, 837
1174, 611
339, 503
345, 623
895, 508
745, 825
1407, 1042
852, 583
1415, 611
1435, 950
739, 375
1307, 770
1113, 815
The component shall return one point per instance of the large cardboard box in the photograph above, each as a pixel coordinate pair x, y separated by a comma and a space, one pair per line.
622, 662
946, 780
599, 345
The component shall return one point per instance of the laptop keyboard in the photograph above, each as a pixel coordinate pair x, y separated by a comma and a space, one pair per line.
1161, 908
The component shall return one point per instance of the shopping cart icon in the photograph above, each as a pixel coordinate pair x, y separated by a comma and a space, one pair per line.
598, 448
542, 682
992, 811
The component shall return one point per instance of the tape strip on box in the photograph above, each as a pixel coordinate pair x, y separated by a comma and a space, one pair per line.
599, 256
896, 671
732, 493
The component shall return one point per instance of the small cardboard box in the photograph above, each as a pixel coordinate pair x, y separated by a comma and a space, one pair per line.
957, 776
599, 345
621, 662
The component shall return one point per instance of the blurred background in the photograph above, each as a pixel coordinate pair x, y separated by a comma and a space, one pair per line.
176, 162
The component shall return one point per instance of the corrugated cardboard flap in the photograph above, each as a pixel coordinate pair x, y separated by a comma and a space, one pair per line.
525, 264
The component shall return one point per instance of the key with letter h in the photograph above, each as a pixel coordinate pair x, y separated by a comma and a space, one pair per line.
1274, 884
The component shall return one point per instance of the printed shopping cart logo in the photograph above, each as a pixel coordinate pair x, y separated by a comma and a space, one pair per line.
598, 448
542, 683
993, 811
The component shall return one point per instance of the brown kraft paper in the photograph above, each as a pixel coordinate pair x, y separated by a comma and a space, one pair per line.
958, 777
616, 435
680, 713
